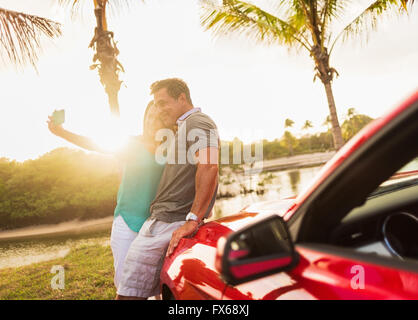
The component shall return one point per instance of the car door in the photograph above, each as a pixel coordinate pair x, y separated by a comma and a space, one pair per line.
329, 271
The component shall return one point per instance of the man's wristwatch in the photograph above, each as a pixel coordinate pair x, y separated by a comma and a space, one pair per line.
192, 217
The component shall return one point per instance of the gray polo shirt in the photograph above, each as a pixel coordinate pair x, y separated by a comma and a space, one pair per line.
176, 191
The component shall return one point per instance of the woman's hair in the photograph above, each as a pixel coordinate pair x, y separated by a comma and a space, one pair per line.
147, 109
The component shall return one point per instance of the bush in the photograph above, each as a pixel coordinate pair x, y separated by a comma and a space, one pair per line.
61, 185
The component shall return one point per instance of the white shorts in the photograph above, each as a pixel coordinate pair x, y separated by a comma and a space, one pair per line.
120, 240
143, 263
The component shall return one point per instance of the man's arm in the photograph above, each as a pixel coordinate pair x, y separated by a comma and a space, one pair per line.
206, 182
80, 141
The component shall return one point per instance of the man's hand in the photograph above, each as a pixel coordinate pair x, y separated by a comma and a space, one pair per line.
185, 230
57, 130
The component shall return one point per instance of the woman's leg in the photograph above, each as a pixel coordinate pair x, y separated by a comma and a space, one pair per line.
120, 241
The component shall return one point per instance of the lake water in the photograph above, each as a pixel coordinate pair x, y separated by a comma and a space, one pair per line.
266, 186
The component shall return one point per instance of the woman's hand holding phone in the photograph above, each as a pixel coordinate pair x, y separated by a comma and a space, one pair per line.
55, 122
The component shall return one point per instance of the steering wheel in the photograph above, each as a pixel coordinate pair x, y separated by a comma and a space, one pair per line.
400, 235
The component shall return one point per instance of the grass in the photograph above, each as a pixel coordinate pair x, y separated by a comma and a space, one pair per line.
88, 275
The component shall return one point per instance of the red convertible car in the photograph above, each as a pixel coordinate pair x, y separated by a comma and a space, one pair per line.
353, 234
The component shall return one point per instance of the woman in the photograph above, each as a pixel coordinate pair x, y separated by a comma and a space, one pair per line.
140, 179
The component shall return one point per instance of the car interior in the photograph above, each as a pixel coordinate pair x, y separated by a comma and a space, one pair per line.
368, 206
387, 223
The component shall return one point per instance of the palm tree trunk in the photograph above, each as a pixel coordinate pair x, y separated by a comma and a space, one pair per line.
336, 129
106, 57
326, 74
289, 144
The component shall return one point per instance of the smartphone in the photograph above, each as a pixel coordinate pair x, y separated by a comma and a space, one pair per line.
58, 117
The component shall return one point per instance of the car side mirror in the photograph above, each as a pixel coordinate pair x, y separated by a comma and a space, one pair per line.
259, 250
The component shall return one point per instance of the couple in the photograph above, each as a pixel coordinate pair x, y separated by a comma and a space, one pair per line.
158, 205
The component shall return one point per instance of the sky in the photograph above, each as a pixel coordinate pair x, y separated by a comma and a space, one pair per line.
248, 89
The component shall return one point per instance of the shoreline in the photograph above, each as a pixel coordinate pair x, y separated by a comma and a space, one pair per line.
74, 227
299, 161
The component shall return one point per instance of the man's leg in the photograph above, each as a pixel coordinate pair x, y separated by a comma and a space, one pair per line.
142, 267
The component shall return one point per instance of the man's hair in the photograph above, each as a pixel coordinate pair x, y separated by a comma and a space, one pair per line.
174, 87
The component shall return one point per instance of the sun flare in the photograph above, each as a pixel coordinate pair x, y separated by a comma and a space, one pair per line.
110, 135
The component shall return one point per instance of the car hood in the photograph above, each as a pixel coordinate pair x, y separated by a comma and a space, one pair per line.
255, 212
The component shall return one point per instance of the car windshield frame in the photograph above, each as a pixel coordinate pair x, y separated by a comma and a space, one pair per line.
394, 185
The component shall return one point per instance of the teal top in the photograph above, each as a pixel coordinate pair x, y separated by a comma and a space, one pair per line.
141, 176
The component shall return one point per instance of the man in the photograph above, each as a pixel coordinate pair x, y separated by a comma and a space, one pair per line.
186, 192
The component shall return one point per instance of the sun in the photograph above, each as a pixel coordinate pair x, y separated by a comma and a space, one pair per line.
111, 134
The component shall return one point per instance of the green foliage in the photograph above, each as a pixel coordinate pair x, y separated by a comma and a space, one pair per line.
288, 123
288, 144
298, 24
274, 149
62, 185
308, 124
290, 140
367, 21
245, 18
353, 125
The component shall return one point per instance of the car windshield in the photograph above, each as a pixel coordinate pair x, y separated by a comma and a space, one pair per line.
405, 177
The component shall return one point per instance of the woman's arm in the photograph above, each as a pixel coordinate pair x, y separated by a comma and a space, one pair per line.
76, 139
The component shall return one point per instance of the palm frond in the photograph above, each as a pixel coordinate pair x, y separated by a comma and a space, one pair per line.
20, 35
307, 125
77, 6
406, 3
295, 14
332, 9
240, 17
367, 21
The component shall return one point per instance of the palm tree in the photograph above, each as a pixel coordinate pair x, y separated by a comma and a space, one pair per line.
306, 126
106, 52
351, 112
299, 24
20, 36
353, 123
328, 124
288, 123
290, 141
